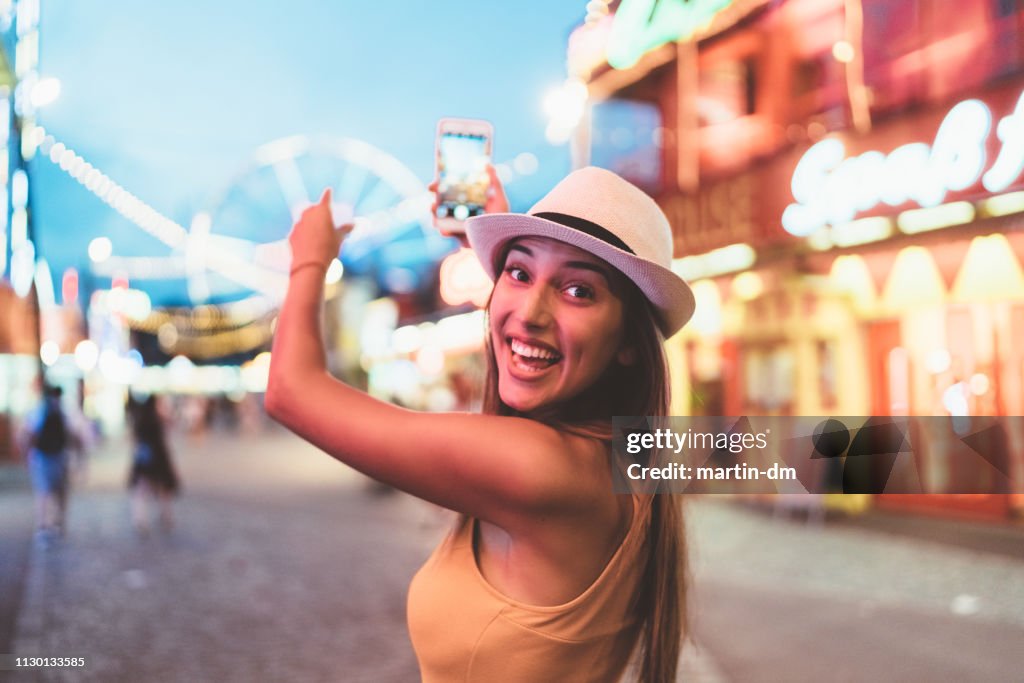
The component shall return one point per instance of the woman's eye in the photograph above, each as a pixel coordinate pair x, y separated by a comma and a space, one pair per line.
516, 273
580, 292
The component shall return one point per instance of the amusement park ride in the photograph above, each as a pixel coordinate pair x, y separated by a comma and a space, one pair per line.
234, 255
239, 245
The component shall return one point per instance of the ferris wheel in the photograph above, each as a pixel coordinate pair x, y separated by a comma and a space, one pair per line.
240, 244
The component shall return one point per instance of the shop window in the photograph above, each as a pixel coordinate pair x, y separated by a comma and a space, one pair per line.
827, 374
810, 75
896, 25
707, 388
1014, 391
892, 30
921, 51
1007, 41
769, 374
898, 377
883, 336
727, 91
626, 137
1007, 8
960, 341
818, 83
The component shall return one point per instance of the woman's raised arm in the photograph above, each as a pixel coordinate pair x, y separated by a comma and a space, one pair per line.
504, 470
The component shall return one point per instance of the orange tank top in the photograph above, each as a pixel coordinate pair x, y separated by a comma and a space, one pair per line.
463, 629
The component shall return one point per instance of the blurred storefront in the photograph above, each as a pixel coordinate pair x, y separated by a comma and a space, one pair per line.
844, 180
20, 91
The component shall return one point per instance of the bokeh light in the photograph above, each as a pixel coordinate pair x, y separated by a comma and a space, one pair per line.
100, 249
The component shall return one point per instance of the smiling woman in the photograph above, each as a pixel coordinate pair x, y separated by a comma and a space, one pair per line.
549, 575
541, 363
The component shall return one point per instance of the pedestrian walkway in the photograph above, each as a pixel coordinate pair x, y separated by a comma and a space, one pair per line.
284, 566
997, 537
16, 524
781, 599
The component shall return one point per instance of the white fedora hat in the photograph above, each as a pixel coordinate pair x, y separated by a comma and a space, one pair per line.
596, 210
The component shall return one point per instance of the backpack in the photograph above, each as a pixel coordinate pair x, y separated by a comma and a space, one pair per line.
52, 437
143, 455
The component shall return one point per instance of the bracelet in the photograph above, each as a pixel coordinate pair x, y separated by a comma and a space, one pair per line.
307, 264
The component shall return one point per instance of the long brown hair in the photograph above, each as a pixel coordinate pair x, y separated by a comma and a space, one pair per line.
639, 389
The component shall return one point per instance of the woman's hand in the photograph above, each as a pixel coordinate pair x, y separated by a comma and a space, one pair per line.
314, 240
497, 202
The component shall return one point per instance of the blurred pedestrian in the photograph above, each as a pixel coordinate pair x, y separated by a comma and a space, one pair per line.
50, 441
152, 476
549, 575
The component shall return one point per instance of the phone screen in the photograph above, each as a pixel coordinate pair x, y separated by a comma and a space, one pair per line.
462, 180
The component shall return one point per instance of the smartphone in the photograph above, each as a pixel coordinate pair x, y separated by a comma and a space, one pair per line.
463, 154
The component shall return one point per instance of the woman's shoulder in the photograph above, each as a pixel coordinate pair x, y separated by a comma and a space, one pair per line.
564, 463
588, 485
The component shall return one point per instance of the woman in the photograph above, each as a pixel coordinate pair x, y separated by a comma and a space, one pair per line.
152, 474
550, 576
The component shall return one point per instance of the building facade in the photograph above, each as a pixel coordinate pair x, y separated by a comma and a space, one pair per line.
844, 181
19, 326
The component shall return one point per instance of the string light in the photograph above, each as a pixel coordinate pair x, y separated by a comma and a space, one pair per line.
210, 317
216, 344
261, 270
100, 249
121, 200
149, 219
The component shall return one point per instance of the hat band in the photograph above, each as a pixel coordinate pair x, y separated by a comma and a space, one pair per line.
585, 226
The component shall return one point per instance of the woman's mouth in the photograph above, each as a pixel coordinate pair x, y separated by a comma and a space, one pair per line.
532, 359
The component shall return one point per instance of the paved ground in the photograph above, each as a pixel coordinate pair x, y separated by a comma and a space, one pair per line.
15, 549
780, 599
283, 566
287, 567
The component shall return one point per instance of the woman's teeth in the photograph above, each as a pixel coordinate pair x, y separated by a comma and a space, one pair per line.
532, 357
532, 351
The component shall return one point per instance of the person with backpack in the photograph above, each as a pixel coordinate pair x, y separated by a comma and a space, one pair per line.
50, 438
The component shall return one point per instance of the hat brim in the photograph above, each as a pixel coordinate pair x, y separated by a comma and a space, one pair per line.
671, 297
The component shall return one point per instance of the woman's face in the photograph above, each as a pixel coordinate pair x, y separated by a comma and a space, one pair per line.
556, 322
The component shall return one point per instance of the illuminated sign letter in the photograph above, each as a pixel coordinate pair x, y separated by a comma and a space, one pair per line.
809, 212
831, 189
1010, 161
643, 25
958, 154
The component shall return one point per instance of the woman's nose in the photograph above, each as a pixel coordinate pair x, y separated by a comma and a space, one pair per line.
535, 308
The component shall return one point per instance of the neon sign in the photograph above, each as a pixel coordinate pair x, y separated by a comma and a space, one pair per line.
643, 25
831, 188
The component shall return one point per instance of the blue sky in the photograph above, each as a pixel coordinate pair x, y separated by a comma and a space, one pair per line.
171, 99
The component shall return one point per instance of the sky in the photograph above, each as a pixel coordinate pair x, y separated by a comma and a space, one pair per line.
170, 100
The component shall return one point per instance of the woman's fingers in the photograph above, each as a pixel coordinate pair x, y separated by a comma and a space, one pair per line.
433, 204
314, 236
322, 209
497, 202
